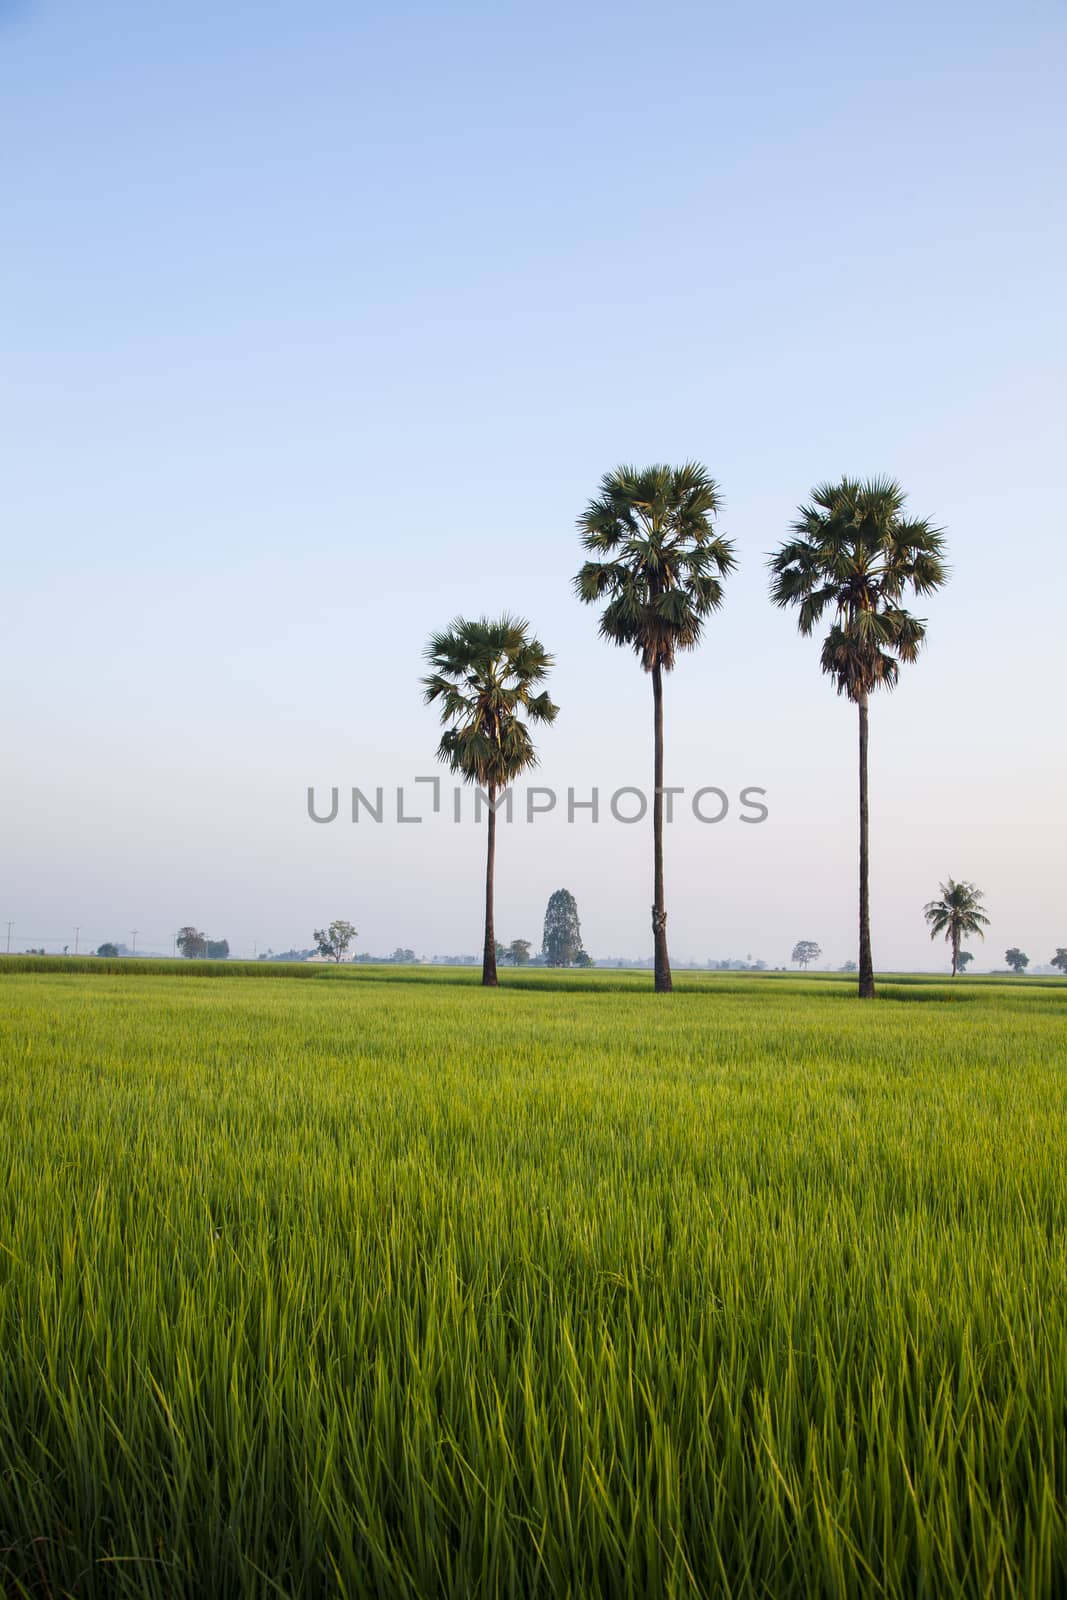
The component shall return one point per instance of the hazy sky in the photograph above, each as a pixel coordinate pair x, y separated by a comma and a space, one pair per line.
321, 324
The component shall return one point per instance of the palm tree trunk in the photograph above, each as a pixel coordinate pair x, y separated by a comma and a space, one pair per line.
489, 949
955, 951
866, 959
659, 910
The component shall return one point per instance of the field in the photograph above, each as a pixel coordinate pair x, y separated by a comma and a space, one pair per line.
378, 1284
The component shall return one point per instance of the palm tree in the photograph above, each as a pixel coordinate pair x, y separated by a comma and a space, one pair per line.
957, 914
660, 572
854, 553
484, 674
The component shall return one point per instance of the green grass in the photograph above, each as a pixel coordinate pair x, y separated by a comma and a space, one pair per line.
393, 1287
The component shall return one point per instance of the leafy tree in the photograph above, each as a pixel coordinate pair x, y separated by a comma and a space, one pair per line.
583, 959
806, 951
197, 946
109, 950
848, 966
1016, 960
402, 956
660, 565
853, 552
1060, 960
964, 959
958, 914
518, 952
485, 675
333, 942
561, 941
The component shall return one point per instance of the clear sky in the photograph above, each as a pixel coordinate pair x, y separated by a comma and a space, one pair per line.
321, 324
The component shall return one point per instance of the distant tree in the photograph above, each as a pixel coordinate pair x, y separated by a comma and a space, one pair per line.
964, 959
854, 553
333, 942
109, 950
660, 565
218, 950
805, 951
485, 675
192, 943
562, 937
958, 914
1016, 960
518, 952
402, 956
583, 959
848, 966
1060, 960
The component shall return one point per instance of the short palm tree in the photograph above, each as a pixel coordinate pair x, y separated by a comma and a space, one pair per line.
854, 553
485, 674
957, 915
660, 565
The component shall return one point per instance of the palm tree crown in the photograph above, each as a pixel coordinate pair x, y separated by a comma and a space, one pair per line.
484, 675
957, 915
853, 551
663, 560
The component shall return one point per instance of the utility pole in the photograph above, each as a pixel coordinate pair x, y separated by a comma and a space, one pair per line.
133, 936
9, 928
76, 933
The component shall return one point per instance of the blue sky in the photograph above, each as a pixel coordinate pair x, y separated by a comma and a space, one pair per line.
322, 325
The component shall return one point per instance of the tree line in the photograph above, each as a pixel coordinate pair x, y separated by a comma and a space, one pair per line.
561, 944
960, 914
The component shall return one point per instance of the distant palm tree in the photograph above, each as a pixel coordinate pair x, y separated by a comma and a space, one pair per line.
853, 552
484, 674
661, 576
957, 914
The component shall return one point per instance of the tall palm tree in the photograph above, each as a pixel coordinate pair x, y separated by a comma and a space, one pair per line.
957, 914
485, 674
660, 571
854, 553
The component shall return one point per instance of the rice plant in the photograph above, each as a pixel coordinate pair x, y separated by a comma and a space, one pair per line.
385, 1285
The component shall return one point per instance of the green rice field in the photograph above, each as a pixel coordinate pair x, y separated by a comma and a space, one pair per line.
371, 1282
